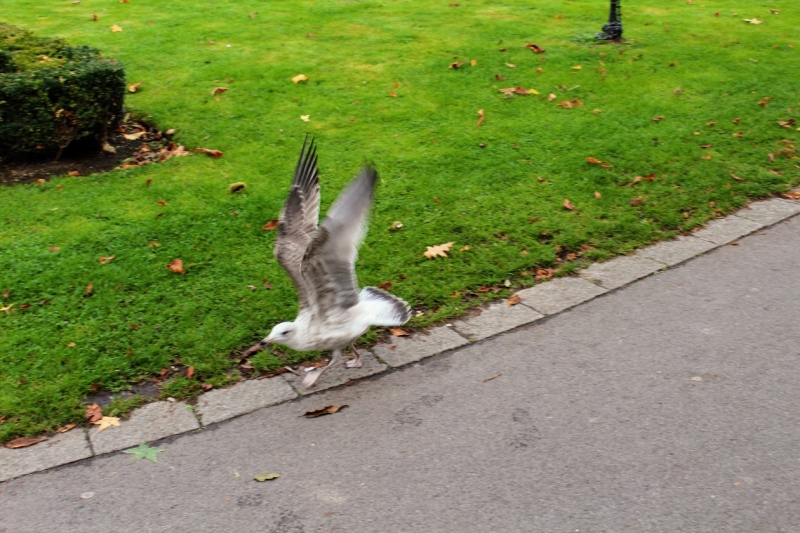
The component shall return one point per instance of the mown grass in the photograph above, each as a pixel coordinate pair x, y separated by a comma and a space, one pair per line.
435, 178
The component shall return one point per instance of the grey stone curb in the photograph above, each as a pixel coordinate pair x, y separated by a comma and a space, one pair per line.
165, 419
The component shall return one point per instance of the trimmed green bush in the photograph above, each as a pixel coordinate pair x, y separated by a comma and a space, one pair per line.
52, 94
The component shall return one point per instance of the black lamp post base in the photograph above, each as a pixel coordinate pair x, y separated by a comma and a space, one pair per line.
612, 31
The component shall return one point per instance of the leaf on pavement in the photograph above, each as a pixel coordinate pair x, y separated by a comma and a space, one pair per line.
439, 250
93, 413
264, 477
106, 422
514, 299
23, 442
399, 332
176, 266
143, 451
329, 410
64, 429
792, 195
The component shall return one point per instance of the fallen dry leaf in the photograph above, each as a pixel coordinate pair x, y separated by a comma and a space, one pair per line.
792, 195
133, 136
544, 273
106, 422
176, 266
93, 413
568, 205
511, 65
764, 102
658, 118
514, 299
399, 332
162, 202
299, 78
189, 372
216, 154
753, 21
218, 90
473, 62
551, 97
455, 65
464, 248
736, 120
534, 48
236, 187
595, 161
393, 94
438, 251
89, 290
636, 201
266, 477
54, 248
107, 260
305, 118
22, 442
490, 378
711, 123
577, 67
482, 116
115, 28
133, 88
64, 429
597, 195
272, 224
385, 285
329, 410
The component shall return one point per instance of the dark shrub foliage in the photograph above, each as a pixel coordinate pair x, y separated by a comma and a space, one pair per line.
52, 94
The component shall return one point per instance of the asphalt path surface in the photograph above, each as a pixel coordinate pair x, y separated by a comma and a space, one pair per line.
670, 405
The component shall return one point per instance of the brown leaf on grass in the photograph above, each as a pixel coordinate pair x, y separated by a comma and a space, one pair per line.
5, 294
511, 65
544, 273
107, 260
393, 94
189, 372
54, 248
216, 154
236, 187
706, 156
792, 195
711, 123
473, 62
788, 124
399, 332
659, 118
311, 35
23, 442
64, 429
567, 104
134, 87
514, 299
94, 17
89, 290
272, 224
534, 48
597, 195
176, 266
115, 28
299, 78
456, 64
439, 250
539, 70
93, 413
771, 157
482, 116
385, 285
738, 134
551, 97
595, 161
498, 77
218, 90
329, 410
737, 178
454, 4
753, 21
568, 205
162, 202
636, 201
764, 102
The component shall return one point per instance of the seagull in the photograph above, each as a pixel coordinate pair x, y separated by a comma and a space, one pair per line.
320, 259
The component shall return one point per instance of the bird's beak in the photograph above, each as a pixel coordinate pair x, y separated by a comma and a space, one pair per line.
264, 342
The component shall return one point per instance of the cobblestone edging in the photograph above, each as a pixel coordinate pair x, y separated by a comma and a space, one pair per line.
163, 419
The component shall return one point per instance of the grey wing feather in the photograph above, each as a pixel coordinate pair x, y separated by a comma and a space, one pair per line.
329, 264
298, 221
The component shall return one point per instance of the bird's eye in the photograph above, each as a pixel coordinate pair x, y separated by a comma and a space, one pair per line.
285, 333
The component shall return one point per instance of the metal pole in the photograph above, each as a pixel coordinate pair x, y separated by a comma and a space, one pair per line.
613, 30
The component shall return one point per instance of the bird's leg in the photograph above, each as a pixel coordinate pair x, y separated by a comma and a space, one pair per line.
358, 361
315, 374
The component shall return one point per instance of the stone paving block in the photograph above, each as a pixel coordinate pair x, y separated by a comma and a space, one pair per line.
148, 423
403, 350
728, 229
58, 450
338, 375
620, 271
245, 397
677, 251
559, 294
496, 318
769, 212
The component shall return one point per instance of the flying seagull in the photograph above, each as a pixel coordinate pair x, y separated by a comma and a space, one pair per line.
320, 259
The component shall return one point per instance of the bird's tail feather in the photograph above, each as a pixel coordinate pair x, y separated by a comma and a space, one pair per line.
384, 309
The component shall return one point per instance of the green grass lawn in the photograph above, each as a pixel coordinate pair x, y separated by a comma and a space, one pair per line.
503, 200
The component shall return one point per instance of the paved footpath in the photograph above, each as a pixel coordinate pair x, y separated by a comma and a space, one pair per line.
670, 405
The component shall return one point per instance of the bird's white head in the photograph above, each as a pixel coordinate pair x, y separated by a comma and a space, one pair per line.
284, 333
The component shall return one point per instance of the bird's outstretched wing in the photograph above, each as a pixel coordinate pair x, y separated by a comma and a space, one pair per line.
298, 221
329, 263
